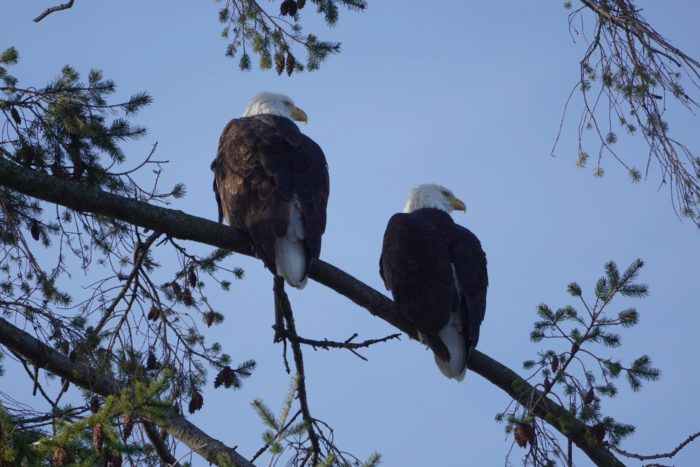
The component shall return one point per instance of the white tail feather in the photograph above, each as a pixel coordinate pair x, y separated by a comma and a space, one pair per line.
291, 262
290, 254
452, 336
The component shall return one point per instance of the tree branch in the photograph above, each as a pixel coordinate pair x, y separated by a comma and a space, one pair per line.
181, 225
103, 384
669, 454
54, 9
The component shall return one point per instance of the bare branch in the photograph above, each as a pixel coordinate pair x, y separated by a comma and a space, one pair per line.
285, 309
54, 9
669, 454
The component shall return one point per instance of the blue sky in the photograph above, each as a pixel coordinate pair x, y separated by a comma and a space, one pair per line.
465, 94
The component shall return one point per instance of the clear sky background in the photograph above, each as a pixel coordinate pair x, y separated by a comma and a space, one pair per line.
465, 94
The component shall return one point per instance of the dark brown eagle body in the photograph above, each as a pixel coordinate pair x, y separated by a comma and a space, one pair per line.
436, 272
271, 182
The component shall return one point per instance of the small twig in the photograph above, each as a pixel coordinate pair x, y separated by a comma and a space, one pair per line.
669, 454
286, 309
54, 9
326, 344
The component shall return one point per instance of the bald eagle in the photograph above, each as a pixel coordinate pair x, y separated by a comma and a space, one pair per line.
271, 183
436, 271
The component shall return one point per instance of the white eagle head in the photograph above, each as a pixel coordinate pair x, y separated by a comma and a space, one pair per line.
435, 196
275, 104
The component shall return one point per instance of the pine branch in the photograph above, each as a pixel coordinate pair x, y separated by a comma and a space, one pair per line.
105, 384
184, 226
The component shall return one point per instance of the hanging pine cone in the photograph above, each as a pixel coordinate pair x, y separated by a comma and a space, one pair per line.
191, 276
98, 436
187, 297
209, 318
300, 4
15, 116
196, 402
61, 457
555, 364
292, 8
94, 405
290, 64
153, 313
128, 425
588, 398
279, 63
284, 8
547, 385
35, 229
151, 361
226, 377
177, 290
523, 434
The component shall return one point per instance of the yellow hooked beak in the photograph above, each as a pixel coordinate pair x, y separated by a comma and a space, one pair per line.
458, 204
299, 115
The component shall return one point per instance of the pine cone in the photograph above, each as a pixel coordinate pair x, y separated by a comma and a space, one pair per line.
300, 4
547, 385
128, 425
284, 8
153, 313
555, 364
187, 297
196, 402
151, 361
524, 434
98, 437
588, 398
279, 63
209, 318
163, 435
61, 457
177, 290
290, 64
35, 230
574, 348
15, 115
191, 276
292, 8
226, 377
94, 405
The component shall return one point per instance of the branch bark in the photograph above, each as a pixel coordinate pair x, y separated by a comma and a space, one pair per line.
184, 226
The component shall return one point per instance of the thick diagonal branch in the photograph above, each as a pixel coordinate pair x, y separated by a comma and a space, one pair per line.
104, 384
181, 225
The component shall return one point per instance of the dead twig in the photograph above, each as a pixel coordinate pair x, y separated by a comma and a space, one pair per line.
54, 9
